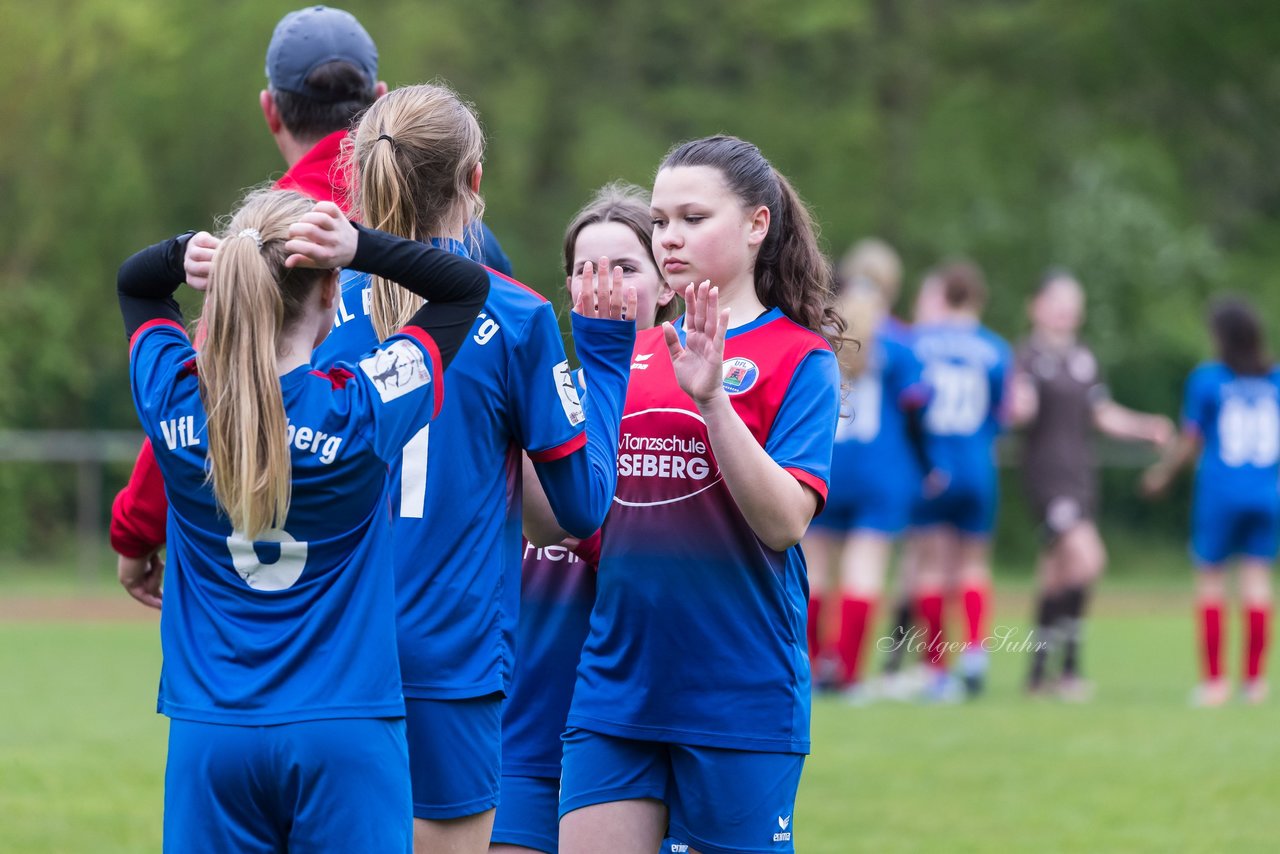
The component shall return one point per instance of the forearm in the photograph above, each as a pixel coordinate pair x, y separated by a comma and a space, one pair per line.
1120, 422
776, 505
454, 287
540, 526
147, 280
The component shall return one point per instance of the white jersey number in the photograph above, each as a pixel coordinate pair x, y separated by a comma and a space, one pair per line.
1249, 432
961, 398
413, 475
280, 574
860, 414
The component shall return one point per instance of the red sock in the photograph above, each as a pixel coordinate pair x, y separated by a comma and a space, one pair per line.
930, 607
815, 639
975, 612
855, 616
1257, 618
1211, 639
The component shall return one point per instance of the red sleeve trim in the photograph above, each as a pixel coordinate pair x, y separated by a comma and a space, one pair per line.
337, 377
814, 482
437, 365
560, 451
152, 324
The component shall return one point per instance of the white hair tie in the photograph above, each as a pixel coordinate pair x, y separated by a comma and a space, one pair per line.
252, 232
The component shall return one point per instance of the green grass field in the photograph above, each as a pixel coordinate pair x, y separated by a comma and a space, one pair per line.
82, 751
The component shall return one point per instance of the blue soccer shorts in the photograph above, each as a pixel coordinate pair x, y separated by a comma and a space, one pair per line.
455, 755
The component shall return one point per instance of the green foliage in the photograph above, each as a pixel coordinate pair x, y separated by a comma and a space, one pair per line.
1132, 142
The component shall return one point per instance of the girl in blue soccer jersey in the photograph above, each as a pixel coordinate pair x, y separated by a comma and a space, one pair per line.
1231, 420
280, 669
691, 708
966, 367
456, 486
876, 469
559, 584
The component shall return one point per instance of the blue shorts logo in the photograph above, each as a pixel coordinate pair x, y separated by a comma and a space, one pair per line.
739, 375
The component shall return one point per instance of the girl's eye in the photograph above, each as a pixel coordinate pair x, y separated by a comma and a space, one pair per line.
659, 223
627, 268
694, 218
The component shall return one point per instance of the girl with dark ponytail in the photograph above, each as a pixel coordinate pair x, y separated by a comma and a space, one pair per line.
1231, 420
725, 450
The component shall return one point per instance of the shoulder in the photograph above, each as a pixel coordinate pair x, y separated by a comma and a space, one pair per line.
512, 294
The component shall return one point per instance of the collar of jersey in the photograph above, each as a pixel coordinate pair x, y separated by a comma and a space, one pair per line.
456, 247
768, 317
295, 376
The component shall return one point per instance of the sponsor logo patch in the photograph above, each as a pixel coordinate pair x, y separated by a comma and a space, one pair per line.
739, 375
397, 369
568, 390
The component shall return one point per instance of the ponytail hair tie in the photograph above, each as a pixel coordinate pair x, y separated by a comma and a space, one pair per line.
252, 233
388, 138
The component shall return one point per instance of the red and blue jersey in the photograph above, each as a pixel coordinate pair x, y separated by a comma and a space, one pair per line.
455, 488
698, 632
557, 592
299, 624
966, 367
1239, 419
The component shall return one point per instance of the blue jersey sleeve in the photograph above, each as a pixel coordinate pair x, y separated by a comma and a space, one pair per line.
546, 408
906, 376
397, 389
580, 486
804, 430
1197, 404
158, 352
1001, 376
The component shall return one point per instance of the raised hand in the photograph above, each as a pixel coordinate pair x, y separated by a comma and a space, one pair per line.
322, 238
699, 363
198, 260
598, 293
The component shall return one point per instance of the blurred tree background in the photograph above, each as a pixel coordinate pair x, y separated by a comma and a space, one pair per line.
1134, 142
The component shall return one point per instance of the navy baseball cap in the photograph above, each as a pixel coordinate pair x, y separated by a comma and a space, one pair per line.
308, 38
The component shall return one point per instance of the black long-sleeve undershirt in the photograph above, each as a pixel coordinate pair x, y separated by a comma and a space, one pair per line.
455, 288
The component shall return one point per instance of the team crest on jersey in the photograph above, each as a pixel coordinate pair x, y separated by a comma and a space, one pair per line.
397, 369
739, 375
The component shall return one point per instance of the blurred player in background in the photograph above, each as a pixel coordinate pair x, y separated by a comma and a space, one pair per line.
1231, 419
559, 584
876, 468
322, 73
280, 672
691, 706
966, 367
1061, 398
456, 490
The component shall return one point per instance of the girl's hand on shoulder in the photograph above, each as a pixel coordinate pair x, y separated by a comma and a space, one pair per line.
198, 260
602, 293
323, 239
699, 363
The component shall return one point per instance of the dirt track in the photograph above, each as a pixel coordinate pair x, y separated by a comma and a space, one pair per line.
75, 608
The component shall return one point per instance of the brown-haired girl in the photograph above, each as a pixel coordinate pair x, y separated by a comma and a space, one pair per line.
280, 666
691, 708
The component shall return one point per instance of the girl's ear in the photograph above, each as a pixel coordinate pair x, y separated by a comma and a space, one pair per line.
476, 176
665, 293
329, 290
758, 226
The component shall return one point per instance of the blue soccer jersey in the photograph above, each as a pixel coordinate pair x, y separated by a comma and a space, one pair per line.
698, 631
456, 487
299, 624
558, 591
1237, 497
875, 474
966, 367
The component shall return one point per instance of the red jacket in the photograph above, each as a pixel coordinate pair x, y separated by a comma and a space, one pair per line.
139, 511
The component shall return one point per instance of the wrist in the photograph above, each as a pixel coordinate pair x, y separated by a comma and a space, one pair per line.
717, 400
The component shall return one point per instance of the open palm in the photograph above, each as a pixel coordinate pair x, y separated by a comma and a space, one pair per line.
699, 363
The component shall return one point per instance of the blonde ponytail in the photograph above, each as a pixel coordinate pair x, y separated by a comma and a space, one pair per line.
414, 155
251, 297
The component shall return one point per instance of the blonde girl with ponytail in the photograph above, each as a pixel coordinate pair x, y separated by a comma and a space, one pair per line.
456, 487
280, 674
